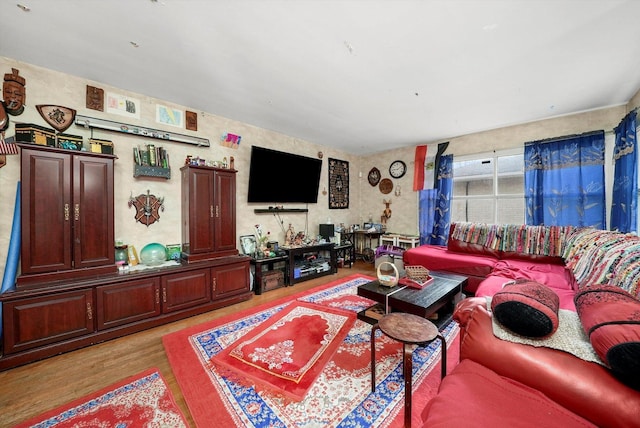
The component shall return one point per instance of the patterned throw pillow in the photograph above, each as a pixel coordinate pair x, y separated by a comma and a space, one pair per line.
527, 308
610, 316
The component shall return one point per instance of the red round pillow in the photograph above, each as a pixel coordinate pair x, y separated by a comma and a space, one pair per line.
610, 316
527, 308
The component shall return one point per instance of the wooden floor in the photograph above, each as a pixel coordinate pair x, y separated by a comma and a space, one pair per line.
32, 389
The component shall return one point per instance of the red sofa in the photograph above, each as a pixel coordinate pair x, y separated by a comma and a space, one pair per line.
504, 383
501, 383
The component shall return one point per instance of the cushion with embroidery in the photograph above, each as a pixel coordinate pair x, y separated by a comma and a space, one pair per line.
610, 317
527, 308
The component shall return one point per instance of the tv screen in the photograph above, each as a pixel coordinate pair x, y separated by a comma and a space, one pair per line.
279, 177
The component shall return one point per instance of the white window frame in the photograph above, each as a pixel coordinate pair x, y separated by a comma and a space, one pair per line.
493, 156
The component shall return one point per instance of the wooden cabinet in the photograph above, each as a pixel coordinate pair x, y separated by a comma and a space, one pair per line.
208, 212
38, 321
230, 280
126, 302
45, 321
184, 290
67, 215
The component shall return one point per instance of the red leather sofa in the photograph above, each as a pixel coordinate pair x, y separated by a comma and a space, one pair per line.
502, 383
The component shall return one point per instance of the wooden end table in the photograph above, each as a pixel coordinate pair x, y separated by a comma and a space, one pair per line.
410, 330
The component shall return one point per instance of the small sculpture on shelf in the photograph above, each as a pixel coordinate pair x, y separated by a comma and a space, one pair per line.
386, 214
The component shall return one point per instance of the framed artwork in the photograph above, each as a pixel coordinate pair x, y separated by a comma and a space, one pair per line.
338, 184
248, 244
169, 116
191, 120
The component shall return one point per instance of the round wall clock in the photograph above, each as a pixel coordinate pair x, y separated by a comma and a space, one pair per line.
397, 169
386, 185
374, 176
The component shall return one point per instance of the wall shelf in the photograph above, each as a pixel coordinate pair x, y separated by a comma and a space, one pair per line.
151, 171
109, 125
280, 210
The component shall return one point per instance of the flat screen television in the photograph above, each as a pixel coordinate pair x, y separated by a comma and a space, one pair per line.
280, 177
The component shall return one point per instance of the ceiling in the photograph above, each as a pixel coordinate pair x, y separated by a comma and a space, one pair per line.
360, 75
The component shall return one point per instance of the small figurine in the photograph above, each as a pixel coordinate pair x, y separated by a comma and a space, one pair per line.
386, 214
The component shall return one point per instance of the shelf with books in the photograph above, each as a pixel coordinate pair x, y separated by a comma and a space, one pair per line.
151, 161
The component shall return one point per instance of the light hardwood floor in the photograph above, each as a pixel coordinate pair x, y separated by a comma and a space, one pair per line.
32, 389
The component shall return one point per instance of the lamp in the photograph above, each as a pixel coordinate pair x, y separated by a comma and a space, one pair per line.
7, 147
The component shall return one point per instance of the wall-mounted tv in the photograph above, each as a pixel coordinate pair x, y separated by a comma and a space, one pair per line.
280, 177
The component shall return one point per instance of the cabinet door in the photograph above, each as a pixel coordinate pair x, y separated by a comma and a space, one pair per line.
46, 211
225, 211
230, 279
38, 321
185, 290
127, 302
197, 210
93, 230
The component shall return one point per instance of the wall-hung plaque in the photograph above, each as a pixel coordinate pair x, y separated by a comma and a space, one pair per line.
95, 98
191, 119
148, 208
374, 176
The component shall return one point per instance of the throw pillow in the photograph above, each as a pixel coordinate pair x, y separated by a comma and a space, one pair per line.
527, 308
610, 316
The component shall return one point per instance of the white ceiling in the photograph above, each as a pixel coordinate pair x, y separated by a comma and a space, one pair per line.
360, 75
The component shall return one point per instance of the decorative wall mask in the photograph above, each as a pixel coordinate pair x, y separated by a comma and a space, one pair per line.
148, 208
14, 92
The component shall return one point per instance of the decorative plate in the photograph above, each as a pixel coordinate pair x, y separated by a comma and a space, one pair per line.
374, 176
386, 185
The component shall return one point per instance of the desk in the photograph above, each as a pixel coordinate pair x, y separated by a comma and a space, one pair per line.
364, 248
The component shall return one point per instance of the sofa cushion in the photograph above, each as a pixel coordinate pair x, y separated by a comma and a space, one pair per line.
552, 275
493, 284
527, 308
472, 392
611, 318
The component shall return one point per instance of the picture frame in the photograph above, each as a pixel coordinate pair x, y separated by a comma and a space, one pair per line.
248, 244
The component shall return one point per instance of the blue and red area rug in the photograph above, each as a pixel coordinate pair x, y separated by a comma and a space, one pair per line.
143, 400
209, 360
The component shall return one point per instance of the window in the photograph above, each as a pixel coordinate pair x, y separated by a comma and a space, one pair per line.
489, 188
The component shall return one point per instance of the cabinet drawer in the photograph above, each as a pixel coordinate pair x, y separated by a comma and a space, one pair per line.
39, 321
185, 290
127, 302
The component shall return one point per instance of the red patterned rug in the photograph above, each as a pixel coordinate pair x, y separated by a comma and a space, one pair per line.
287, 352
143, 400
340, 395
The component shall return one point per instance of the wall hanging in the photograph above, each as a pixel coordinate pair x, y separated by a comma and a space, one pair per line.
338, 184
148, 208
14, 92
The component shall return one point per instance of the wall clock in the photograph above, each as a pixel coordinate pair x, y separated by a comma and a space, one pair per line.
397, 169
374, 176
386, 185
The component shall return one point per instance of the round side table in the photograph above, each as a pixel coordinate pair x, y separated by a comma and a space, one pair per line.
410, 330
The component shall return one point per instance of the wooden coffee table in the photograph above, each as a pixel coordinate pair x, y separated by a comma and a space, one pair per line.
435, 297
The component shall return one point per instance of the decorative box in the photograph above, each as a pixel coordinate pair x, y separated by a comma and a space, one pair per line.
70, 142
101, 146
272, 280
174, 251
35, 134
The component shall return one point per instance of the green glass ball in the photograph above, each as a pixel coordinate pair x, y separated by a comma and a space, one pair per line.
153, 254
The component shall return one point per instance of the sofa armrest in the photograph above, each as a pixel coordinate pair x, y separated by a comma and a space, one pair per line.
585, 388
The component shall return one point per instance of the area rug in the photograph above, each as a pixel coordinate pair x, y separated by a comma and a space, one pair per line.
143, 400
341, 394
287, 352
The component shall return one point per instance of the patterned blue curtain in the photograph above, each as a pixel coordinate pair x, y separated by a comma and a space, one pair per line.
564, 181
624, 204
435, 205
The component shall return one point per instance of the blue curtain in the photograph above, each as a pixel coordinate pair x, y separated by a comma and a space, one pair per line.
435, 205
564, 181
624, 204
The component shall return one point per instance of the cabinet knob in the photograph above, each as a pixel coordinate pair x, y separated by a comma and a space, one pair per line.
77, 212
213, 283
89, 311
164, 295
66, 212
211, 211
217, 211
157, 296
